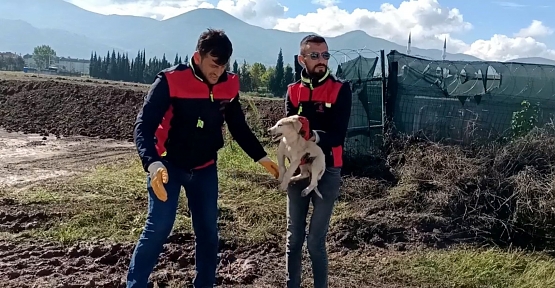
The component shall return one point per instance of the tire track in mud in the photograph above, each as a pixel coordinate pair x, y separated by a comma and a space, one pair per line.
29, 159
78, 160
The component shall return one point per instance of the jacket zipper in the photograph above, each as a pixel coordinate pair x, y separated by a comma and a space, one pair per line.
200, 122
310, 95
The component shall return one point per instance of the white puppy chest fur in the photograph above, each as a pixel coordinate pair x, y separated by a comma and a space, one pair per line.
294, 147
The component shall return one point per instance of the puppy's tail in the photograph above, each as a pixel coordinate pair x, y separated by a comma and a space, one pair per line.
318, 193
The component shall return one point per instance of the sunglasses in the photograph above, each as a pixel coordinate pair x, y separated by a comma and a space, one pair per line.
316, 55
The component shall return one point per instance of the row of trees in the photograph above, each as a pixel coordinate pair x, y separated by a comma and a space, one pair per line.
254, 77
43, 55
11, 62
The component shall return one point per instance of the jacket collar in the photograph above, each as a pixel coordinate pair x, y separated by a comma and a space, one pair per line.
310, 81
200, 77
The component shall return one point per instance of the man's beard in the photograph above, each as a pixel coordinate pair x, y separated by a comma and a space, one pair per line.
318, 74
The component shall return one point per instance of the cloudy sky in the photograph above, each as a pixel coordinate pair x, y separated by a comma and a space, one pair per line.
492, 30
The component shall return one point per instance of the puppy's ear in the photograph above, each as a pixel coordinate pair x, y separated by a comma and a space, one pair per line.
297, 125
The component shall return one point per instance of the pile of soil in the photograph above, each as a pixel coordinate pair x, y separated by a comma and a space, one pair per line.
68, 109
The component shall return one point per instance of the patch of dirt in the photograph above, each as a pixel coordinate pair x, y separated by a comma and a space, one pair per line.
68, 109
26, 159
34, 263
15, 218
85, 80
43, 264
65, 108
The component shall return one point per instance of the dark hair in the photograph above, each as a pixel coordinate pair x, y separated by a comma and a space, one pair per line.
311, 38
217, 44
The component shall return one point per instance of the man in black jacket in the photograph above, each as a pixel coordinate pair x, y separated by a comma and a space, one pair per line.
326, 102
178, 133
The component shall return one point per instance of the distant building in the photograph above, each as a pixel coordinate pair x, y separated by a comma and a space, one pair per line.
72, 65
62, 64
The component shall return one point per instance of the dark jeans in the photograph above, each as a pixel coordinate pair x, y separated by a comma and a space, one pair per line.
201, 188
297, 210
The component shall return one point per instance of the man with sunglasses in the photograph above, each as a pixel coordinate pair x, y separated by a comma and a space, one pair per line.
326, 102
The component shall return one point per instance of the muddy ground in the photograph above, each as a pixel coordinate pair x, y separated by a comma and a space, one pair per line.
54, 127
30, 159
26, 158
421, 195
97, 264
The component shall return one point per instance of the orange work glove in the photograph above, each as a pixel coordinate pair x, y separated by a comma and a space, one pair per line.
270, 166
158, 177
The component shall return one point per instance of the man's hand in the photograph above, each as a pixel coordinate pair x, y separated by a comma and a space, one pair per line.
314, 136
270, 166
158, 177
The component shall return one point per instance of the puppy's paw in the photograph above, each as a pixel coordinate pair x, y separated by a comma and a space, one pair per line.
284, 186
306, 191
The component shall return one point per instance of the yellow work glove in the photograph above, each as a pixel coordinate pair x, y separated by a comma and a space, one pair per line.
158, 177
270, 166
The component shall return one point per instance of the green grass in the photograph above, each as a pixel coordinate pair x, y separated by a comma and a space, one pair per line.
109, 203
473, 268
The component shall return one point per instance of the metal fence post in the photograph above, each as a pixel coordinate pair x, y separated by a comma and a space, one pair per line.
384, 88
298, 68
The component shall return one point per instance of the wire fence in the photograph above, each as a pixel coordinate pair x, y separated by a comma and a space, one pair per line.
362, 68
446, 101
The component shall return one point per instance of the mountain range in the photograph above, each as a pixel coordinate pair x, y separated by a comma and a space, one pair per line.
74, 32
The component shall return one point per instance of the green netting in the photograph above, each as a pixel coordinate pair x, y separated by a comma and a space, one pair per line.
359, 69
365, 125
461, 101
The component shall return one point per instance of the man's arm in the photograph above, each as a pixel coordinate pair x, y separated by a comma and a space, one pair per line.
155, 105
241, 132
289, 108
340, 115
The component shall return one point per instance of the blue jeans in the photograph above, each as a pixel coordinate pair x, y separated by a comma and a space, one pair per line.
201, 188
297, 210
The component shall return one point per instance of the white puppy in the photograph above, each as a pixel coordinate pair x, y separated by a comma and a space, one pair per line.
293, 146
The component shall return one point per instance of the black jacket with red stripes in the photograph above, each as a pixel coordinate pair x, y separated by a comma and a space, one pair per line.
326, 103
182, 118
